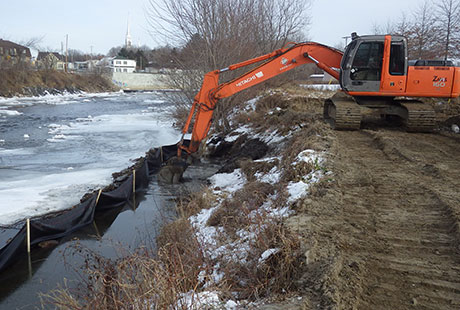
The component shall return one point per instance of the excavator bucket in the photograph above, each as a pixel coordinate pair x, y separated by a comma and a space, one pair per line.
173, 170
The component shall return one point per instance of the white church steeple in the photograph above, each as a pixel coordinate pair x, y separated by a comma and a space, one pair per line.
128, 41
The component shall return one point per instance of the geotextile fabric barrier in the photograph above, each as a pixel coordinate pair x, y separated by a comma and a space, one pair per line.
68, 221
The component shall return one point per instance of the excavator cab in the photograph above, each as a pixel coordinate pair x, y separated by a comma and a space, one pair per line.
362, 66
377, 83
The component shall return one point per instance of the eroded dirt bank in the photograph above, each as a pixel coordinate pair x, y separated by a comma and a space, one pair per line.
385, 233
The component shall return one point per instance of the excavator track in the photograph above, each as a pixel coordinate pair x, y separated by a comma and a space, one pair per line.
342, 112
420, 116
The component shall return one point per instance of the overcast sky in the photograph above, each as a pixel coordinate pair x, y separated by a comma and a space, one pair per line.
101, 24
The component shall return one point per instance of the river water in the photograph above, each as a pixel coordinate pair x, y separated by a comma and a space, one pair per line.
53, 149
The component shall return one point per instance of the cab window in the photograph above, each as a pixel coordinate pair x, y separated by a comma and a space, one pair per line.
367, 64
397, 59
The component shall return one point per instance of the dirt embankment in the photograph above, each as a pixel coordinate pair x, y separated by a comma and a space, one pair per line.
23, 82
386, 233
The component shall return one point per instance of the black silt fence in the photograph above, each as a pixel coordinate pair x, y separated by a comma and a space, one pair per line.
68, 221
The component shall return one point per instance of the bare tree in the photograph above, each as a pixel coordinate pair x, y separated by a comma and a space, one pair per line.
448, 16
388, 28
33, 42
228, 30
216, 33
423, 32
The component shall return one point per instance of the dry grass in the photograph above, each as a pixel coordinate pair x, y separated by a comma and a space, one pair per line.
13, 82
139, 280
193, 203
233, 214
312, 137
142, 280
283, 111
250, 168
277, 274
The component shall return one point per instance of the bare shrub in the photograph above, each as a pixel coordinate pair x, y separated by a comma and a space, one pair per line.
233, 212
250, 168
256, 277
215, 34
138, 281
194, 202
310, 137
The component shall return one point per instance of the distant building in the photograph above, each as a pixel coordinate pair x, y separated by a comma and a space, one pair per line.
13, 53
104, 64
122, 64
50, 61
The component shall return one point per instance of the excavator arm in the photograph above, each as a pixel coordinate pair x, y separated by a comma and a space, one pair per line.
276, 62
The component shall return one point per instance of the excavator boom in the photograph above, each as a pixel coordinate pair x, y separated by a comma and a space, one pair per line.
277, 62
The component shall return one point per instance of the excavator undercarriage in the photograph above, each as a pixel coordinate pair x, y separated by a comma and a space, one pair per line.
345, 112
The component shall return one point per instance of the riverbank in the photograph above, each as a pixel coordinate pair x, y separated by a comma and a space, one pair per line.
281, 224
38, 83
229, 246
54, 149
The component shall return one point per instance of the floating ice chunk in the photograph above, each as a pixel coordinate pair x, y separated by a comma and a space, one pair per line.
9, 112
57, 138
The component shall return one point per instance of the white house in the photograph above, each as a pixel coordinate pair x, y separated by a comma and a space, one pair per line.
121, 64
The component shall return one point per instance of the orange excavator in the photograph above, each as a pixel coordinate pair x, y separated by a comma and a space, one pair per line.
374, 73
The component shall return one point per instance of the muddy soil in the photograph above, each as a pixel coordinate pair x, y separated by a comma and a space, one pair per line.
384, 233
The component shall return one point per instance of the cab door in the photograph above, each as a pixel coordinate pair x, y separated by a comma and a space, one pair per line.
362, 65
394, 74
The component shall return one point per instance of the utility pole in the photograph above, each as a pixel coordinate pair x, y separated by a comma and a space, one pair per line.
91, 58
66, 52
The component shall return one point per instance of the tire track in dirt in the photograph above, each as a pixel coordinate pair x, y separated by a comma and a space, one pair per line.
399, 204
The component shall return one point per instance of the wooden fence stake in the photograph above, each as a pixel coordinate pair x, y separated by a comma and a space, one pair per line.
134, 181
28, 235
98, 196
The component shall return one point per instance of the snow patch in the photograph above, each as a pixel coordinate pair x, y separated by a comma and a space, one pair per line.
265, 255
228, 182
203, 300
272, 177
300, 189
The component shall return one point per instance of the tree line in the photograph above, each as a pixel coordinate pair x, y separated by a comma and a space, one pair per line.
432, 30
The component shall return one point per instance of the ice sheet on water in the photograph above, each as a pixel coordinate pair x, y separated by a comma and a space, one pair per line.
9, 112
77, 155
38, 193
